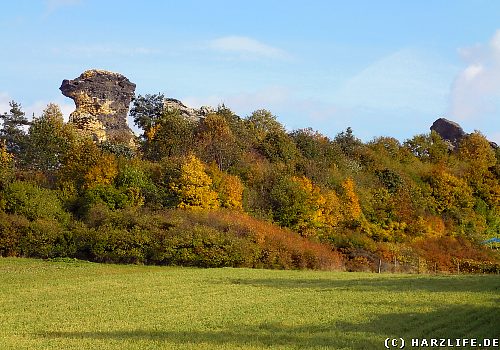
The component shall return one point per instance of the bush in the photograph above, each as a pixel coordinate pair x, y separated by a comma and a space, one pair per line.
33, 202
12, 228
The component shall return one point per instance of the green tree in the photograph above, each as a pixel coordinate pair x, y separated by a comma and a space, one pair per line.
147, 109
279, 147
348, 142
428, 147
48, 140
12, 131
171, 136
261, 122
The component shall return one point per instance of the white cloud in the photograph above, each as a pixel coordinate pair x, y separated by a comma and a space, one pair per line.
408, 78
247, 48
476, 90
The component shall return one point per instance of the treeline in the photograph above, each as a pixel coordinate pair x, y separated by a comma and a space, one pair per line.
231, 191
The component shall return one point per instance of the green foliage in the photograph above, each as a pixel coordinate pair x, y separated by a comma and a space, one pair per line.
358, 196
108, 195
217, 141
33, 202
279, 147
348, 142
261, 122
48, 140
428, 147
170, 136
147, 109
12, 131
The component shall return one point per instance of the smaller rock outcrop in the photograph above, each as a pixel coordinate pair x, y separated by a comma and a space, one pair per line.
448, 130
102, 101
192, 114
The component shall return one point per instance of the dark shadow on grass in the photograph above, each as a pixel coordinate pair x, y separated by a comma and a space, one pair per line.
466, 283
461, 321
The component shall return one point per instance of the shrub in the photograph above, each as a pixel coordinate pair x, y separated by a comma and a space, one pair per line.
33, 202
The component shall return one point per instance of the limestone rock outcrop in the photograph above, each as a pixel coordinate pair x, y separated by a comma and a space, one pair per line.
192, 114
102, 102
448, 130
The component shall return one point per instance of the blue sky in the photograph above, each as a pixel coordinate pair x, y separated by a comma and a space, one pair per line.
385, 68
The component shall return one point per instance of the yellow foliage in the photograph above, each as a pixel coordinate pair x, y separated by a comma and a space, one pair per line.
6, 163
450, 192
332, 213
151, 132
352, 208
193, 187
231, 192
325, 205
102, 173
6, 158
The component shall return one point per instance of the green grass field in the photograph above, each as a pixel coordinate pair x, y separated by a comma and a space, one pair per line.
80, 305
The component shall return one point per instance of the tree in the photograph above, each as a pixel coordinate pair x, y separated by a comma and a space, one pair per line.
279, 147
85, 165
300, 204
172, 135
348, 142
476, 150
451, 194
12, 129
6, 165
262, 122
351, 208
193, 187
428, 147
48, 140
147, 109
217, 142
228, 187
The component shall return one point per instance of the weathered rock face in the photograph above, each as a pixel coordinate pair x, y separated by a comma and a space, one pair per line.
187, 112
102, 100
448, 130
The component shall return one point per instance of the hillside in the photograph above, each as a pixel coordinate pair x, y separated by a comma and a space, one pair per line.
209, 188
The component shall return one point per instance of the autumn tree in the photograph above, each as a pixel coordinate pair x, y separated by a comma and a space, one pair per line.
6, 165
216, 141
228, 187
85, 165
193, 187
351, 208
451, 194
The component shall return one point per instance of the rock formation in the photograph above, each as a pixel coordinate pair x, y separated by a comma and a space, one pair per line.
102, 101
452, 132
448, 130
187, 112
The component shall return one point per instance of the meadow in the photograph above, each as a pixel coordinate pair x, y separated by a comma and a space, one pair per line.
72, 304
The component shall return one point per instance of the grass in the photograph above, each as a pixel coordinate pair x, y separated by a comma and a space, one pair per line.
81, 305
